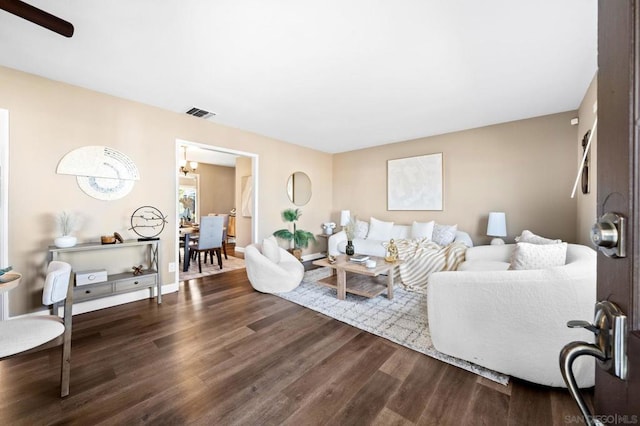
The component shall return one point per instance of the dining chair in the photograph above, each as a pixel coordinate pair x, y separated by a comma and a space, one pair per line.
225, 228
33, 333
209, 240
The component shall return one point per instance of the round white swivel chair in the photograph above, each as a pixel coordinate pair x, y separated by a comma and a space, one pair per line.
268, 276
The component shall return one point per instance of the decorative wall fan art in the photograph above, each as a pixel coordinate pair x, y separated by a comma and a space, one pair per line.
101, 172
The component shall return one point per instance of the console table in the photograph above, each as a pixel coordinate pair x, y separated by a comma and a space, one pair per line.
116, 283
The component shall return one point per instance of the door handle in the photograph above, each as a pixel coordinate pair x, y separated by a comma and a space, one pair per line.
609, 235
568, 354
610, 348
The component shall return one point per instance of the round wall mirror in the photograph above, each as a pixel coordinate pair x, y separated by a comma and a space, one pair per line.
299, 188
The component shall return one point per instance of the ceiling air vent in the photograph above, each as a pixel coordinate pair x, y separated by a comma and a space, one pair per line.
197, 112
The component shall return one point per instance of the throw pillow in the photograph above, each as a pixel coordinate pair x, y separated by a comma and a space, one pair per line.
362, 229
529, 237
421, 230
444, 235
270, 249
538, 256
379, 230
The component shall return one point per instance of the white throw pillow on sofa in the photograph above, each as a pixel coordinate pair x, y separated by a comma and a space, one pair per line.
538, 256
444, 234
421, 230
529, 237
362, 229
379, 230
270, 249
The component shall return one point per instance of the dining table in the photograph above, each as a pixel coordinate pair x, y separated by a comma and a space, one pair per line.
188, 235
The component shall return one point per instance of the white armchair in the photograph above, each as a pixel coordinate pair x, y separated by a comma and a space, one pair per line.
36, 332
267, 276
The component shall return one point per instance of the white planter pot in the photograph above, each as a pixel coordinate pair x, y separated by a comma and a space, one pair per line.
65, 241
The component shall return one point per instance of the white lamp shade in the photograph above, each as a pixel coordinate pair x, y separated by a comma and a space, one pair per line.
497, 225
345, 216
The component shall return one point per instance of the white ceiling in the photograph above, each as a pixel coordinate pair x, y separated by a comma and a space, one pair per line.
332, 75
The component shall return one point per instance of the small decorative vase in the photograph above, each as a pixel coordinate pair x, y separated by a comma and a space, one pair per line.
350, 250
65, 241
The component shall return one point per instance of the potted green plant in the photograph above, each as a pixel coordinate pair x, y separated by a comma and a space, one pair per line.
299, 237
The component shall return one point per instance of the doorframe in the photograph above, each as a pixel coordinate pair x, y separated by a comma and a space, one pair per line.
4, 204
254, 176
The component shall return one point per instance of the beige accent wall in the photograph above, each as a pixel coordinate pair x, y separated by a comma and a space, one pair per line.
217, 188
524, 168
587, 203
48, 119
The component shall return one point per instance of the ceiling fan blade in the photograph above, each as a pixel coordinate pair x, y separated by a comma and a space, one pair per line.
37, 16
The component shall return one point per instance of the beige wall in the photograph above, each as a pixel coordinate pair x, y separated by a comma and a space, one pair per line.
524, 168
217, 188
587, 203
243, 224
48, 119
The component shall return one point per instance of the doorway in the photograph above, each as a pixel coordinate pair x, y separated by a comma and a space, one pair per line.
195, 165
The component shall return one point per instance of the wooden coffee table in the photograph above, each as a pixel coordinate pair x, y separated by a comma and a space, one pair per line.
361, 280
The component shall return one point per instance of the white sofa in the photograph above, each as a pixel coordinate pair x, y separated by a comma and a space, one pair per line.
267, 276
514, 321
337, 242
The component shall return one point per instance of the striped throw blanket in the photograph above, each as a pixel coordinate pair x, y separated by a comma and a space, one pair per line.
422, 257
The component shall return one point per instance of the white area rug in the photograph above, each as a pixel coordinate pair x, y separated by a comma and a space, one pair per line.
402, 320
208, 269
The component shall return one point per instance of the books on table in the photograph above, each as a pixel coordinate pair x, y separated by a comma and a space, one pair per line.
359, 258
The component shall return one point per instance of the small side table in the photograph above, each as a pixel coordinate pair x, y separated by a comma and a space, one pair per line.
9, 281
324, 236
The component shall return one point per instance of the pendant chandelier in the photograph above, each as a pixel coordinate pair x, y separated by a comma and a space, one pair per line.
192, 165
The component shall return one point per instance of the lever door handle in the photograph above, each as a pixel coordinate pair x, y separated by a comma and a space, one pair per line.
584, 324
610, 348
568, 354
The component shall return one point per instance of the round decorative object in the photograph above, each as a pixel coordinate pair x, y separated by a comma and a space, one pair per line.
101, 172
104, 188
148, 222
65, 241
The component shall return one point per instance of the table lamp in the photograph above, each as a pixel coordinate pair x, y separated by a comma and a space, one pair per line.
497, 227
345, 216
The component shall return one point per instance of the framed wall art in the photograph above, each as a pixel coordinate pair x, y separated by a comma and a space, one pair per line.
415, 183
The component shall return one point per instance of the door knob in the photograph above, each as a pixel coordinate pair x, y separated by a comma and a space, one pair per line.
608, 234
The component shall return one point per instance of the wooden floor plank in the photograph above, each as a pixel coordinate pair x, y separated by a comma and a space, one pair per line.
363, 408
487, 407
329, 397
529, 405
419, 385
451, 398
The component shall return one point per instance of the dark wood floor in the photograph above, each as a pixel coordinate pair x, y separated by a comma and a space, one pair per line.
219, 353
